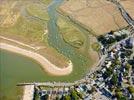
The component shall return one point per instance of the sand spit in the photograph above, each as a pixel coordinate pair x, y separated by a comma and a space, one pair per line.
46, 65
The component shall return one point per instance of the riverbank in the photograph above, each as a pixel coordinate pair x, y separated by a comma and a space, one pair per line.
89, 37
46, 65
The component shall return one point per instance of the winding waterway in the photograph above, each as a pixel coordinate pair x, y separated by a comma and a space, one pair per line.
15, 68
80, 62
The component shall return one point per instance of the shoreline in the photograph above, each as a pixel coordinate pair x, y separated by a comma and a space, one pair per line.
46, 65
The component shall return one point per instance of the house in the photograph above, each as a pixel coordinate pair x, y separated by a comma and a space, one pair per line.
101, 85
124, 31
103, 70
109, 64
89, 97
106, 92
89, 87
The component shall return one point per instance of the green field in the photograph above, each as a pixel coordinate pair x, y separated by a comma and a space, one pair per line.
31, 22
30, 29
70, 33
38, 11
46, 1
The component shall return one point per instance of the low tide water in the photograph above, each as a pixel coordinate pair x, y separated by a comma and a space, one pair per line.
14, 69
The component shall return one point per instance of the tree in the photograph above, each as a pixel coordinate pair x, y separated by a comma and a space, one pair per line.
67, 97
57, 98
127, 66
117, 62
119, 95
80, 95
131, 89
111, 40
123, 36
117, 90
102, 39
118, 38
128, 53
96, 46
74, 95
114, 79
111, 32
108, 72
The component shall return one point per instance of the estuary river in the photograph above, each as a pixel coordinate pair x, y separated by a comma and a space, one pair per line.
15, 68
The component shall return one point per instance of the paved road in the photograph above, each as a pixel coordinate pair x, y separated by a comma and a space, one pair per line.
124, 13
113, 46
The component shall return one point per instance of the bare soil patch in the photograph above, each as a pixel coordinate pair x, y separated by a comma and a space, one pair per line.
129, 6
101, 16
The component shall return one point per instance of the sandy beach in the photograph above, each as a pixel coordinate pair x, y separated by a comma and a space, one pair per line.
46, 65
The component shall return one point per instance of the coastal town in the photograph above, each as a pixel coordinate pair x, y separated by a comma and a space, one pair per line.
113, 78
106, 73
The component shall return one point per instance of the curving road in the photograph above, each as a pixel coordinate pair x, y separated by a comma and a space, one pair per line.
124, 13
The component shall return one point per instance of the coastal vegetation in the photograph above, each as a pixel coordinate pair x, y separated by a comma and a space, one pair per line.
70, 33
38, 11
29, 23
31, 29
55, 41
46, 1
65, 39
96, 46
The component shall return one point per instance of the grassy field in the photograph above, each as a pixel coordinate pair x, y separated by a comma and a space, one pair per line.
46, 1
37, 11
24, 18
83, 41
31, 29
70, 33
